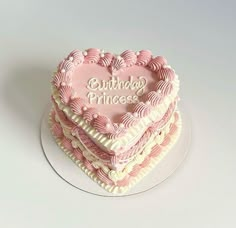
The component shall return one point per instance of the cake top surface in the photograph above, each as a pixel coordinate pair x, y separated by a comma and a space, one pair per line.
113, 91
112, 95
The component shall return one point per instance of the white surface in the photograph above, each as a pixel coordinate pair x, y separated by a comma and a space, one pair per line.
198, 39
72, 174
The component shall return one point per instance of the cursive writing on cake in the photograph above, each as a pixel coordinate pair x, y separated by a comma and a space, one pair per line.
115, 83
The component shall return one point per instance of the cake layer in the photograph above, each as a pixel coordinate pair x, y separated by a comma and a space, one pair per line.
121, 181
113, 161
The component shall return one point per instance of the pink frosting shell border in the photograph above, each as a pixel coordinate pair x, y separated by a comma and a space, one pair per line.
115, 63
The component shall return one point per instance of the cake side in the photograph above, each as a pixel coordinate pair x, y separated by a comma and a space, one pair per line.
120, 181
112, 160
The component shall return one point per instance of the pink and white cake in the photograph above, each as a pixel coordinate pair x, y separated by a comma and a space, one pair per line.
115, 116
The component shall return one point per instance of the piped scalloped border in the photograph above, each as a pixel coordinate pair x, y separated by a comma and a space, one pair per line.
168, 82
146, 168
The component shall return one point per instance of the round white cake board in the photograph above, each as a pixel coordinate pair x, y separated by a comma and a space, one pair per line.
74, 176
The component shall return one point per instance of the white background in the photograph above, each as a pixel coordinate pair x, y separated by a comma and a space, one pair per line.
198, 39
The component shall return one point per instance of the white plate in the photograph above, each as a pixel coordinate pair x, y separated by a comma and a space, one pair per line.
73, 175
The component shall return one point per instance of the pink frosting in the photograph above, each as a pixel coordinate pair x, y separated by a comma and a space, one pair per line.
67, 144
123, 182
144, 57
53, 115
135, 170
57, 130
146, 162
154, 98
117, 64
90, 114
142, 109
166, 74
76, 57
176, 116
156, 63
78, 154
65, 93
118, 132
137, 147
156, 150
61, 79
89, 165
129, 57
93, 55
129, 120
105, 59
66, 66
103, 177
173, 129
76, 105
165, 87
159, 124
75, 130
60, 65
90, 145
166, 141
114, 160
103, 124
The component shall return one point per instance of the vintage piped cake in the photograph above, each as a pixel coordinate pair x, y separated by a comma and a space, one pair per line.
115, 116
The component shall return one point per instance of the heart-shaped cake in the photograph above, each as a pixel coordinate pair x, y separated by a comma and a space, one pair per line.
115, 115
